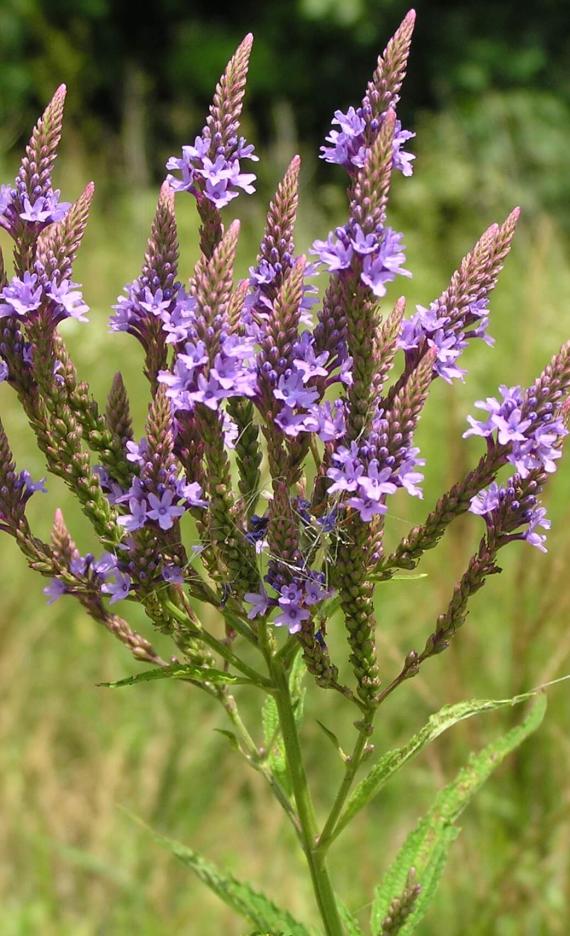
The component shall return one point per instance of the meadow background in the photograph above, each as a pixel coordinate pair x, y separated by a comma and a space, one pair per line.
489, 96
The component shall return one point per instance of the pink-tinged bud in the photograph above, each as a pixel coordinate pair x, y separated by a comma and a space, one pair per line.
227, 104
384, 88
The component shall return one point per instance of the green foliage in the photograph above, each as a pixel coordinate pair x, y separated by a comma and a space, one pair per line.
349, 920
242, 898
426, 848
272, 736
185, 671
392, 761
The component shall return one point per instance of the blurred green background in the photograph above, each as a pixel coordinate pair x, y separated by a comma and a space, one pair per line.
488, 94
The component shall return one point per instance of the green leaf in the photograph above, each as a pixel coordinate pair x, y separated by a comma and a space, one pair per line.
272, 737
333, 739
296, 688
179, 671
232, 738
273, 741
427, 846
242, 898
350, 922
391, 761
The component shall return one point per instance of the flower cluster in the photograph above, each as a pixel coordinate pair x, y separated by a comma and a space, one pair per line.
369, 472
432, 328
61, 299
36, 209
194, 380
159, 503
520, 509
210, 168
296, 602
379, 255
350, 144
213, 171
251, 379
533, 439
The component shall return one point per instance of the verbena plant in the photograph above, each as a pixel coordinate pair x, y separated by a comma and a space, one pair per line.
279, 427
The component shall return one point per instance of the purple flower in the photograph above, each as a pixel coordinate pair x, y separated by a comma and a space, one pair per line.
336, 252
486, 501
172, 574
347, 144
106, 564
385, 263
290, 422
366, 507
4, 372
374, 483
54, 590
326, 420
314, 592
118, 589
210, 173
67, 301
191, 492
137, 451
292, 391
345, 477
292, 617
259, 602
21, 296
163, 510
306, 361
45, 209
537, 518
289, 594
137, 516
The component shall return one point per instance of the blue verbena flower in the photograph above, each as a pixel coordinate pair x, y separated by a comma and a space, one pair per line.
349, 144
23, 296
380, 254
213, 171
119, 588
533, 442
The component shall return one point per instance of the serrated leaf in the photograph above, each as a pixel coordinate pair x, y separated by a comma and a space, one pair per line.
249, 903
349, 921
436, 724
427, 846
179, 671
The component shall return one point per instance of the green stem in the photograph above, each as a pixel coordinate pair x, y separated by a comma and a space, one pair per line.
254, 758
331, 828
217, 645
309, 830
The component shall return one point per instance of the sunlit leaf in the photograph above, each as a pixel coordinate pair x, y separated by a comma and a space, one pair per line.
427, 847
392, 761
179, 671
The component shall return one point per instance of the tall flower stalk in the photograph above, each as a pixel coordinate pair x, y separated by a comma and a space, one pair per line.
259, 385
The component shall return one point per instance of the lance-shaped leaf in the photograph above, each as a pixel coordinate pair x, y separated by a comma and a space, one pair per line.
427, 847
436, 725
183, 671
241, 897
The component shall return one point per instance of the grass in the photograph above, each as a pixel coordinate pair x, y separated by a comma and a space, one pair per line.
72, 754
